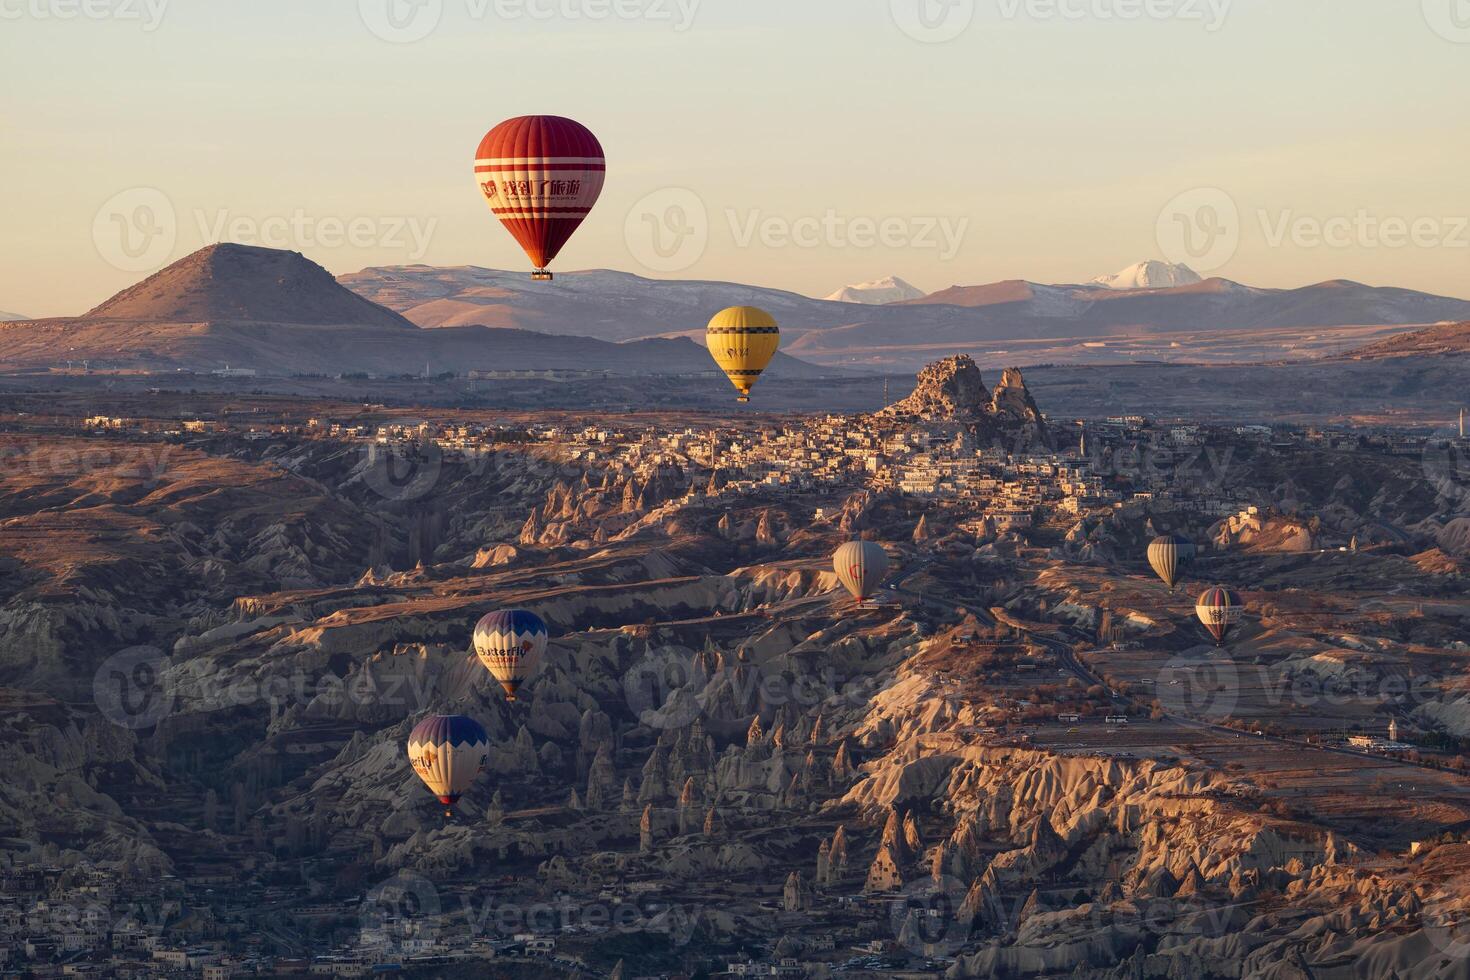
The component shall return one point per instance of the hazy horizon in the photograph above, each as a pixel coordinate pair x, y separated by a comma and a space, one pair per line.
1051, 141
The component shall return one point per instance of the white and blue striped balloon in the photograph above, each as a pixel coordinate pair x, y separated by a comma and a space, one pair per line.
448, 753
510, 644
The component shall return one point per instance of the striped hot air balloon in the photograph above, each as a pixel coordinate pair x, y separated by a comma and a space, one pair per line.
861, 566
1219, 609
743, 341
1168, 555
448, 753
541, 175
510, 644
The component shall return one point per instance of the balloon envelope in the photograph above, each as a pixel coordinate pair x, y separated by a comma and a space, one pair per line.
1168, 555
743, 340
510, 644
541, 175
448, 753
861, 566
1219, 609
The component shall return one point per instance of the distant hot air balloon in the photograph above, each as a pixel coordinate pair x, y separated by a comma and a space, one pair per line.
1168, 555
1219, 609
541, 176
510, 644
861, 566
448, 753
743, 341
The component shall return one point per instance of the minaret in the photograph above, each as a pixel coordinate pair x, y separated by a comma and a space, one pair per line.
1393, 725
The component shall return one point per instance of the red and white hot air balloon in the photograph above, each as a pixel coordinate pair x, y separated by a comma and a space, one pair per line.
541, 175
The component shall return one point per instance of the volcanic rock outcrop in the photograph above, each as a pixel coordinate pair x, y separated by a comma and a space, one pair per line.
952, 392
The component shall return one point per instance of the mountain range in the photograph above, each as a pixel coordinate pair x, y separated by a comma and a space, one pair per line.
278, 313
1018, 314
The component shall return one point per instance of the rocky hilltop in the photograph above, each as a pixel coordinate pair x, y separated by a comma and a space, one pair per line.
952, 391
243, 283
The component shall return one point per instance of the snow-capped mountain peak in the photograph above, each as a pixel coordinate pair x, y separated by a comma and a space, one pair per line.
879, 292
1152, 274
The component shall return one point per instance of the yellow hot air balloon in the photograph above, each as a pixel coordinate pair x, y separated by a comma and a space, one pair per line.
743, 340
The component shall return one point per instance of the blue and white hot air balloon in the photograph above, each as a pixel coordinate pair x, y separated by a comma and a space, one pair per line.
510, 644
448, 753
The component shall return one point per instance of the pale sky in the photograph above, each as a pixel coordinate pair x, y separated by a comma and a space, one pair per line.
802, 144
